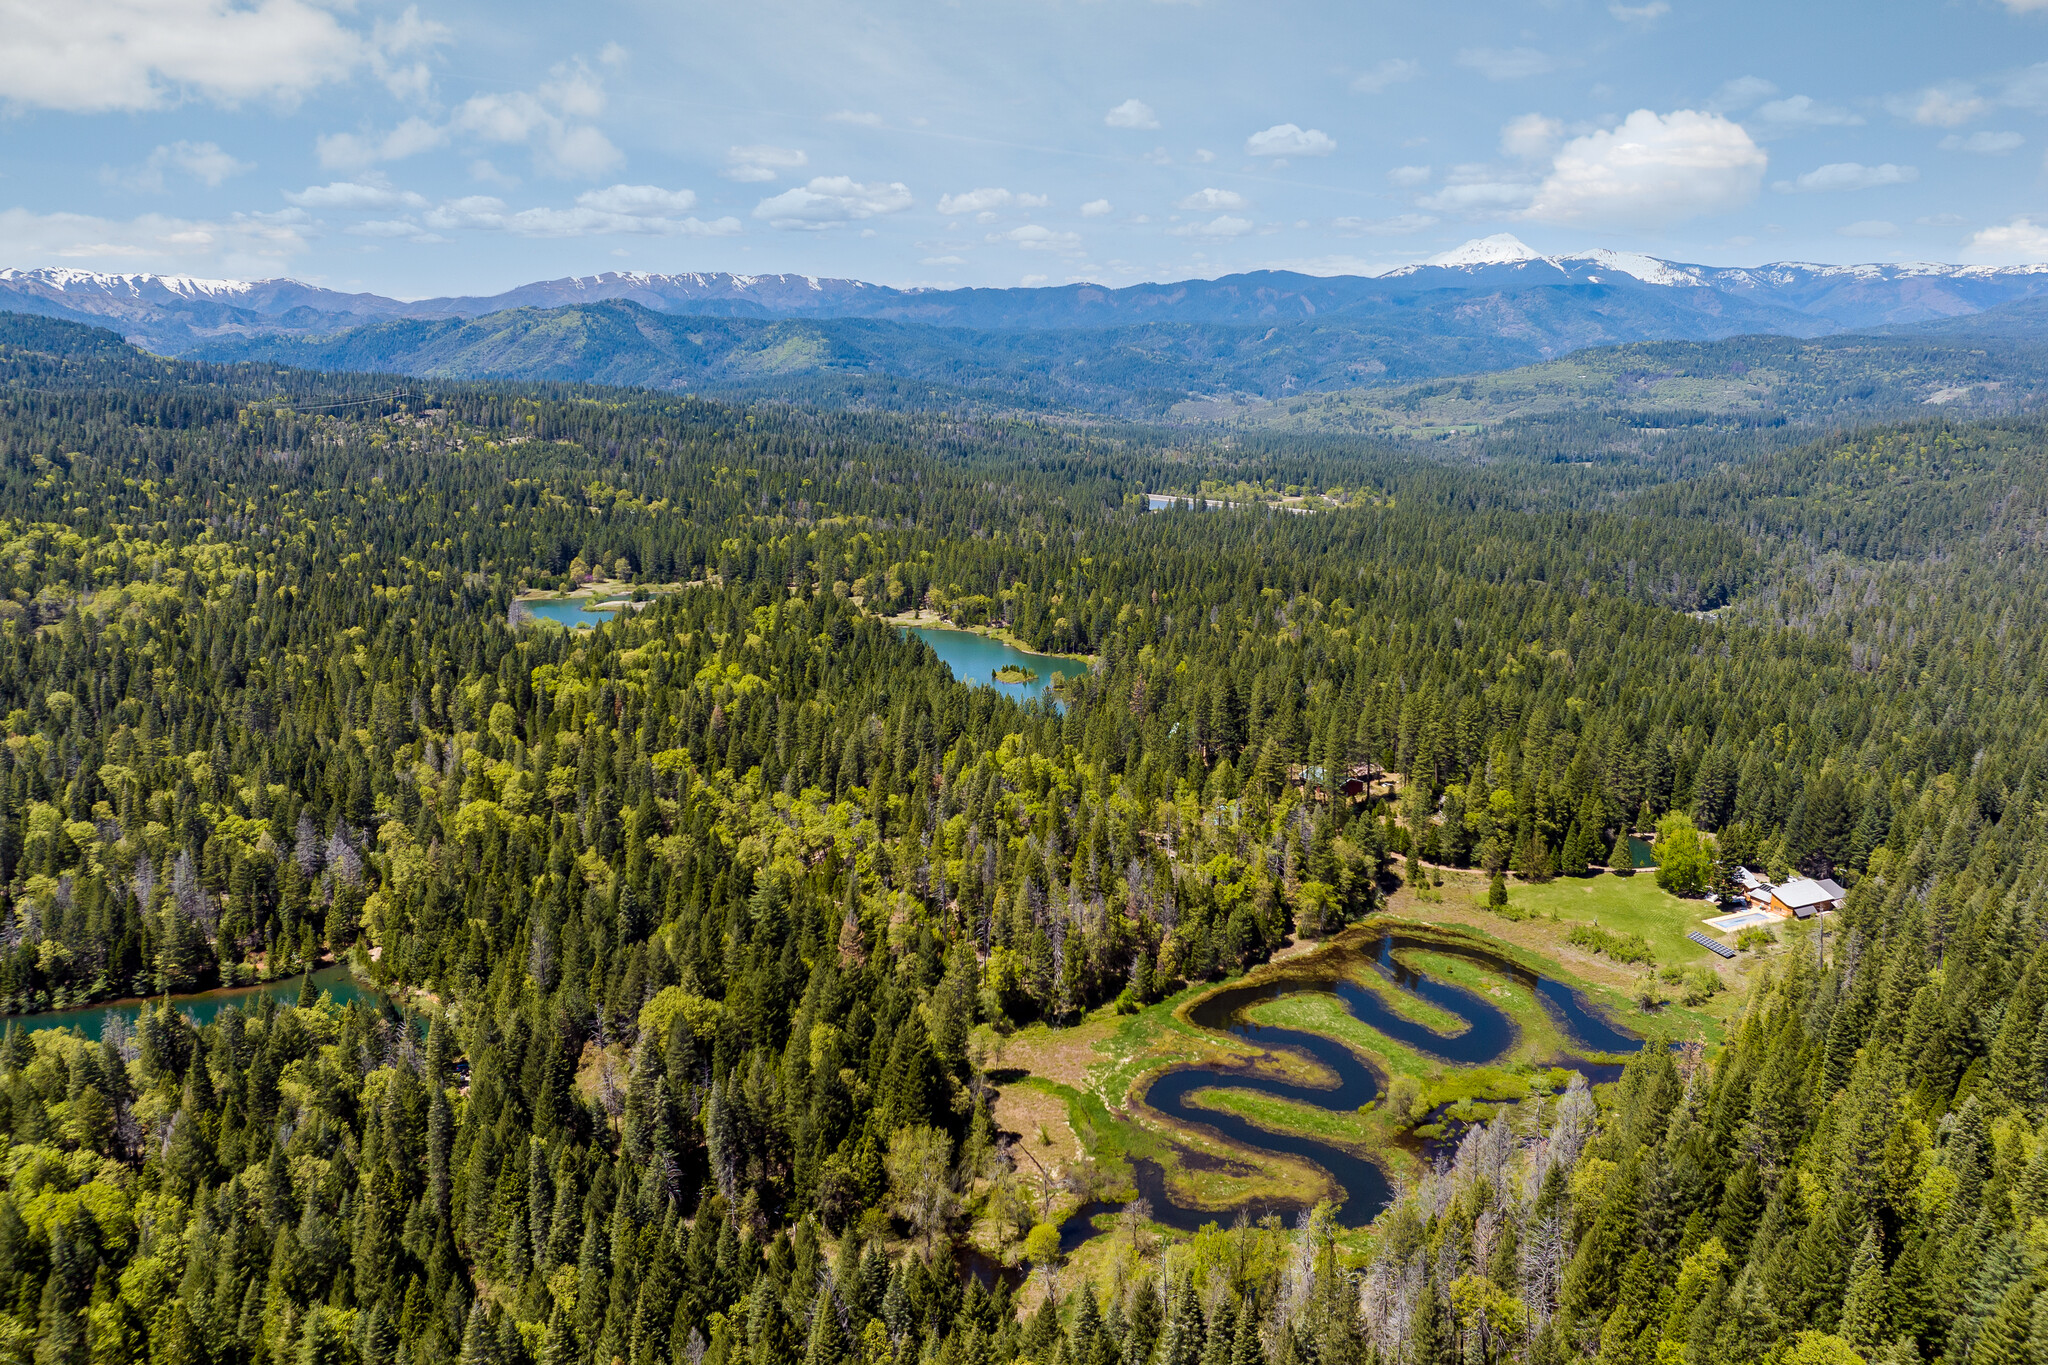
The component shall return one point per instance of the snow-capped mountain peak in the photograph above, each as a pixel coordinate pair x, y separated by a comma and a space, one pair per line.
66, 280
1648, 269
1502, 248
1627, 293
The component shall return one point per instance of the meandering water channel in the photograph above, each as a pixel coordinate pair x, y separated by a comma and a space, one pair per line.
1487, 1035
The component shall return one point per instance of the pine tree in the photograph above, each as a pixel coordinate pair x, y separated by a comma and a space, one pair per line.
1578, 852
1245, 1348
1864, 1322
479, 1338
1222, 1334
826, 1344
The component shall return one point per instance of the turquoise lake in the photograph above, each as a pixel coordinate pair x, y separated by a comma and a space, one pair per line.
568, 611
201, 1008
975, 658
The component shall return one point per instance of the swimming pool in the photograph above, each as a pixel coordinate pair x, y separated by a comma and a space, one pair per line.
1740, 919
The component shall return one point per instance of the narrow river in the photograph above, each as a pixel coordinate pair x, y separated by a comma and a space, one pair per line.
1487, 1035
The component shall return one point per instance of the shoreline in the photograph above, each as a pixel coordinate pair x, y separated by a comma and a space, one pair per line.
179, 1001
1000, 634
605, 588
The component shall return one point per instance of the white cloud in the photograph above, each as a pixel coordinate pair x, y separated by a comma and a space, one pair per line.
1409, 175
489, 174
1506, 64
546, 122
474, 210
552, 121
2026, 6
988, 201
1940, 106
243, 244
832, 201
577, 153
348, 194
1481, 193
1944, 220
1804, 111
1869, 227
1032, 237
1210, 200
574, 91
1848, 175
1385, 74
1287, 139
1530, 136
1983, 143
1741, 93
354, 151
1222, 226
646, 201
97, 56
513, 117
761, 162
1204, 156
640, 210
2027, 89
203, 161
2020, 242
1096, 208
1645, 14
1132, 114
394, 229
1398, 226
1653, 169
856, 117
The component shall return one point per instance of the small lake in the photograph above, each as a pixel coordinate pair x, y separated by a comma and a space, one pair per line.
975, 658
201, 1008
569, 611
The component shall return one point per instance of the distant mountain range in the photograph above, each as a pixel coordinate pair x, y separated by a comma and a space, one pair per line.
1489, 304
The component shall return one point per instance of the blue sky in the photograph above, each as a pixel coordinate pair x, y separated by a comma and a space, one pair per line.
456, 147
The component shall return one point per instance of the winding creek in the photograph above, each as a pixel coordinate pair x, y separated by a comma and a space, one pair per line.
1487, 1035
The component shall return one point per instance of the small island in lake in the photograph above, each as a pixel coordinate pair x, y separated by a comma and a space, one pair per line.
1013, 673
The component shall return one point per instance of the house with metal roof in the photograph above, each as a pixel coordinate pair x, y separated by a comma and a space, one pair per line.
1803, 897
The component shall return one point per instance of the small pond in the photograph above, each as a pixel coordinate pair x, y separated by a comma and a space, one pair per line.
975, 659
571, 611
201, 1008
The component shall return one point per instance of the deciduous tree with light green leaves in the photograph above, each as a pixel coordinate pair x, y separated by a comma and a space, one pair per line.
1685, 857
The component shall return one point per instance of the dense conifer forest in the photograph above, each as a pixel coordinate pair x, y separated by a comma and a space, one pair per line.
690, 934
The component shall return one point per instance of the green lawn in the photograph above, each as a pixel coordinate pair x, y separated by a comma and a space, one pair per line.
1625, 904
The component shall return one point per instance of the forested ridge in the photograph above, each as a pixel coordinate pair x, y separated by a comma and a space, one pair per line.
706, 917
